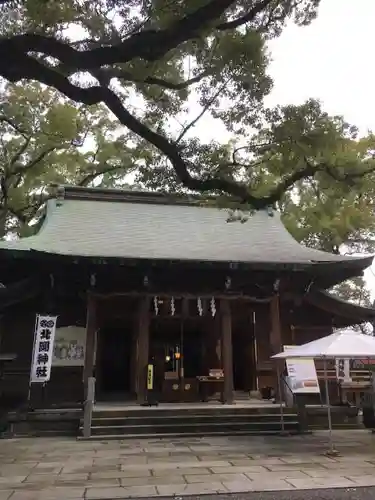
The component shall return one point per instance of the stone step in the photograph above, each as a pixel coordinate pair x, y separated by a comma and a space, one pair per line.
192, 428
215, 420
108, 437
218, 411
155, 419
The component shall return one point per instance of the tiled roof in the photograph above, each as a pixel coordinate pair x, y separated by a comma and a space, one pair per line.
149, 229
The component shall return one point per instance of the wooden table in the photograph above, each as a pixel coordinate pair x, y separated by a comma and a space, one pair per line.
205, 382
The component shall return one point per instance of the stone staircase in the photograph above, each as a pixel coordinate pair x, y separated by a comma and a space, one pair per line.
136, 422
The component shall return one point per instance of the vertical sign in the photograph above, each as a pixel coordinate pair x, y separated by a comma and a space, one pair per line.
43, 348
150, 377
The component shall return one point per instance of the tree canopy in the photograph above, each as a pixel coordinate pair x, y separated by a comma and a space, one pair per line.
159, 53
45, 140
146, 61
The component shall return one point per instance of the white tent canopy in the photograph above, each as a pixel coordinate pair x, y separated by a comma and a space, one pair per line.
345, 343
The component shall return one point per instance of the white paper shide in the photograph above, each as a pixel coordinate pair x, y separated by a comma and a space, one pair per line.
43, 348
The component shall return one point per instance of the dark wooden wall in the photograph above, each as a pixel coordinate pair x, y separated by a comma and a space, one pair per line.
299, 324
17, 335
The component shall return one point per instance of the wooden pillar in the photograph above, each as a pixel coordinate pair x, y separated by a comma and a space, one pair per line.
276, 339
249, 353
212, 344
275, 335
91, 327
133, 362
227, 350
143, 348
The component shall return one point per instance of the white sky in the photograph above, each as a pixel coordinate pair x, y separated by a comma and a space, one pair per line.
329, 60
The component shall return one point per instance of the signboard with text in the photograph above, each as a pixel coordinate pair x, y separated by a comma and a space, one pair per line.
302, 374
43, 349
69, 346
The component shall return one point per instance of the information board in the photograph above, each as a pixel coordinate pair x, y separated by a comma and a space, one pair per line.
302, 374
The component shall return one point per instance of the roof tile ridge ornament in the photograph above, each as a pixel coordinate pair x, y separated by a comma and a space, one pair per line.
238, 215
271, 210
60, 195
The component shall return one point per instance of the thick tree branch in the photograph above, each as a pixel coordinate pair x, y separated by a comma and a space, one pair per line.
17, 128
149, 45
249, 16
95, 95
21, 169
20, 152
17, 62
336, 175
288, 181
94, 175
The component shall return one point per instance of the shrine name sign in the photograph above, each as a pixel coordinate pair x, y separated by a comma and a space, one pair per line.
45, 328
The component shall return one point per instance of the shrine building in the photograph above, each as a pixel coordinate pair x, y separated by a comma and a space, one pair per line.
136, 276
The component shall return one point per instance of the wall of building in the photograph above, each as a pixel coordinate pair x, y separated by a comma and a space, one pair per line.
251, 329
18, 327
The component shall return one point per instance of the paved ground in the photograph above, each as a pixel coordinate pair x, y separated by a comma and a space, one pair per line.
54, 469
318, 494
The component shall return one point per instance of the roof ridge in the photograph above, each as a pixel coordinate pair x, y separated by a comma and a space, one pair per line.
69, 192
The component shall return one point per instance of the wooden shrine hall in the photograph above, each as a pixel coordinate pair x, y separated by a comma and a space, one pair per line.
136, 277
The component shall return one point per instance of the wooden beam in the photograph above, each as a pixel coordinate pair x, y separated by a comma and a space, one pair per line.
91, 327
143, 347
227, 350
179, 295
312, 327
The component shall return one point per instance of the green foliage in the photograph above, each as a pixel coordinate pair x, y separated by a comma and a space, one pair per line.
45, 140
162, 56
355, 291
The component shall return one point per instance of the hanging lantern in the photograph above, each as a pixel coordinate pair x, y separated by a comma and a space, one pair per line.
199, 306
173, 307
213, 306
156, 305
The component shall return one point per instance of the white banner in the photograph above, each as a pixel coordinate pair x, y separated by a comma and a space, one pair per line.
301, 374
43, 348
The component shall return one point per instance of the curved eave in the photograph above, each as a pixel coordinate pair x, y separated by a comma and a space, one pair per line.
323, 274
329, 274
338, 307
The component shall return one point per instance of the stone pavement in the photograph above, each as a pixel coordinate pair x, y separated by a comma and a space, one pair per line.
63, 468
